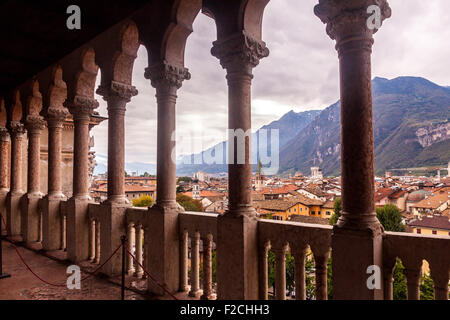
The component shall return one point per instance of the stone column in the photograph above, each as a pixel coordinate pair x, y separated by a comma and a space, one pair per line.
5, 142
130, 241
263, 271
237, 255
321, 261
117, 95
280, 275
163, 228
139, 245
184, 262
299, 254
13, 201
77, 207
31, 213
195, 266
357, 238
207, 267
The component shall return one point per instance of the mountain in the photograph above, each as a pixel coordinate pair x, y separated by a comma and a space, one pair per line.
130, 167
288, 125
411, 129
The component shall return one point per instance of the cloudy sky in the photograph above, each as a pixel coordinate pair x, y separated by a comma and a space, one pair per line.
300, 74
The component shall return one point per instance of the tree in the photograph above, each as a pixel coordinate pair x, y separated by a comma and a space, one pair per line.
189, 204
184, 179
426, 288
337, 211
143, 201
146, 174
399, 286
391, 218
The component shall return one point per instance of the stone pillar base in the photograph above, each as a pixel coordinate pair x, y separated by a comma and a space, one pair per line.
237, 257
197, 294
3, 196
51, 222
30, 217
13, 213
163, 244
353, 251
112, 227
77, 228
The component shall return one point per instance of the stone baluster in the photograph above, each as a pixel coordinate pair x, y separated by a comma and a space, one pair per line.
440, 276
321, 261
130, 243
195, 266
412, 273
264, 271
165, 265
97, 241
207, 267
146, 256
91, 240
299, 254
16, 192
184, 261
52, 217
63, 232
347, 23
280, 272
238, 54
388, 278
139, 244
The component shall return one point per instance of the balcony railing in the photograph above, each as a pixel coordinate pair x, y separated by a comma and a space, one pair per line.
197, 238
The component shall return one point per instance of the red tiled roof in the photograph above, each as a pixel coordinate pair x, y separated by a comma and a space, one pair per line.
279, 190
435, 222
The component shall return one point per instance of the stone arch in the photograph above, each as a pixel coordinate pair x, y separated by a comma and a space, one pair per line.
56, 93
252, 12
236, 17
167, 44
32, 98
116, 52
16, 107
80, 73
183, 15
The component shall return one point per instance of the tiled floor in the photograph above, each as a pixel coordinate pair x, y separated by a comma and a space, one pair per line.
23, 285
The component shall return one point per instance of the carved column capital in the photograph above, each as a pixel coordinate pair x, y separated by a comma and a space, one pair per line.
117, 91
166, 74
56, 116
17, 129
349, 19
81, 107
4, 135
239, 51
34, 124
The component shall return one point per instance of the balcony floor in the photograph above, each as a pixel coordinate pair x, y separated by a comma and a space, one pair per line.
23, 285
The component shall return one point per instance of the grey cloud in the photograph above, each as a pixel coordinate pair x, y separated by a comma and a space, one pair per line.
302, 71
